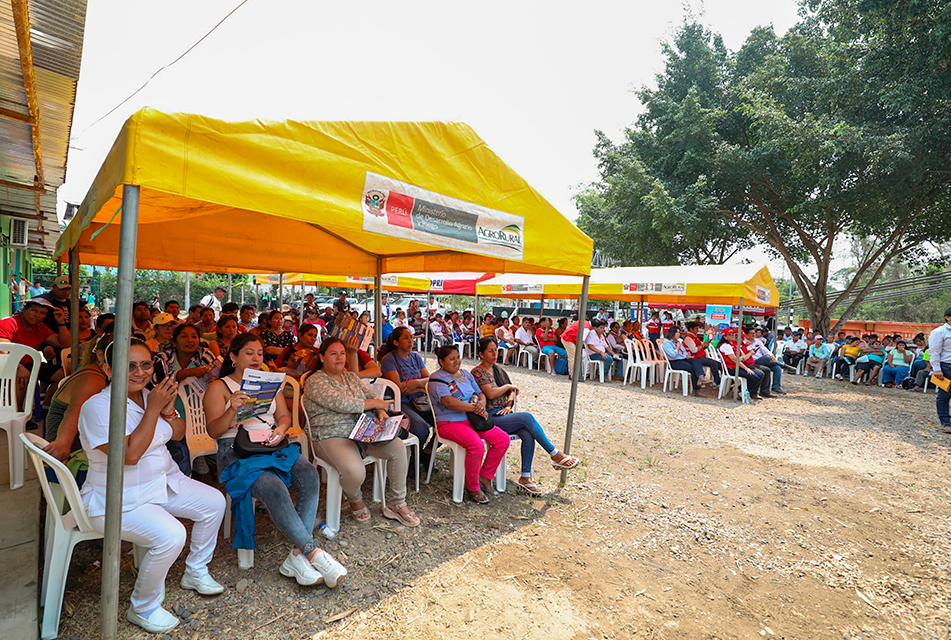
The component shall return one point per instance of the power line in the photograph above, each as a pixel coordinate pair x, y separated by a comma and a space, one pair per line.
160, 70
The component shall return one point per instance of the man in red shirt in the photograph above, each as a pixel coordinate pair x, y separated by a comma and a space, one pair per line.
28, 328
568, 339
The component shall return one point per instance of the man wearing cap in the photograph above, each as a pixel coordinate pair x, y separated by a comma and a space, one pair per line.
57, 296
28, 328
340, 304
142, 320
939, 354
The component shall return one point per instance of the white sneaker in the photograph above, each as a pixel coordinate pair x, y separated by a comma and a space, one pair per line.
330, 569
300, 569
206, 586
819, 375
161, 621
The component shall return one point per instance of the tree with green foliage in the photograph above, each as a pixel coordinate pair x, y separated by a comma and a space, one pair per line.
839, 129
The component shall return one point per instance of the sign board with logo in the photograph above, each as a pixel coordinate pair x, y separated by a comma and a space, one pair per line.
663, 288
523, 288
763, 294
436, 285
719, 315
402, 210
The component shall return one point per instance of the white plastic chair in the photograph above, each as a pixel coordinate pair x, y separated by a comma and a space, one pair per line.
590, 366
196, 435
652, 357
726, 380
675, 373
12, 420
63, 532
522, 351
379, 387
636, 363
64, 358
457, 455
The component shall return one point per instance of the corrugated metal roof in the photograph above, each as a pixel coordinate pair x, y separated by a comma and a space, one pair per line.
56, 39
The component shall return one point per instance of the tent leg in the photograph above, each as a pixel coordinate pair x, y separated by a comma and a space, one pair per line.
74, 308
280, 292
111, 549
577, 373
430, 315
188, 290
541, 308
378, 307
739, 341
230, 285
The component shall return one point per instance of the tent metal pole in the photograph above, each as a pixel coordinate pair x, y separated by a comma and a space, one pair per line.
576, 374
74, 308
115, 464
230, 285
378, 307
188, 290
280, 291
739, 341
429, 313
541, 308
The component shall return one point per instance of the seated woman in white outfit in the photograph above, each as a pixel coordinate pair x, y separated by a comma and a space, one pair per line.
155, 492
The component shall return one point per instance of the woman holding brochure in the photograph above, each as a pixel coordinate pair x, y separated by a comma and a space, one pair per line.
334, 400
269, 481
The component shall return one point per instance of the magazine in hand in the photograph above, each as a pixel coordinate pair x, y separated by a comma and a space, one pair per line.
346, 327
201, 384
369, 429
262, 388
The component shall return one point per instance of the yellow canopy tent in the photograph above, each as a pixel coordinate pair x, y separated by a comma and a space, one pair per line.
190, 193
389, 281
324, 197
697, 284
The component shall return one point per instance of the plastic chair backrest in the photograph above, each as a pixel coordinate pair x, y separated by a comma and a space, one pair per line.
8, 379
65, 359
34, 448
196, 433
379, 387
295, 429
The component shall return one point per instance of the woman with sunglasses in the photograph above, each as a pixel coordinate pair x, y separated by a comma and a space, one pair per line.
155, 492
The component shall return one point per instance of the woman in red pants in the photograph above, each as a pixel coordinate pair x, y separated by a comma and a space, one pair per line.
453, 392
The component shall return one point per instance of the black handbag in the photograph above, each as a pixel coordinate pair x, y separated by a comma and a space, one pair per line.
244, 448
477, 422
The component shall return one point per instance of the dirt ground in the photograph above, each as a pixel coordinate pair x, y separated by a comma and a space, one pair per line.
823, 514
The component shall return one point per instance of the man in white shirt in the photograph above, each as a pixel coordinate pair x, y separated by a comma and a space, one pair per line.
795, 350
939, 354
524, 337
213, 301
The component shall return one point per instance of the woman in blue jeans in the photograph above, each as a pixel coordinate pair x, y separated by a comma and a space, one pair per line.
265, 480
500, 399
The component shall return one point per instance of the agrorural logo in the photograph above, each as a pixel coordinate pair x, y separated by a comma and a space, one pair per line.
510, 236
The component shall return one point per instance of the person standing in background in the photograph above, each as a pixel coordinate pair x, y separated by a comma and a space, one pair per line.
939, 354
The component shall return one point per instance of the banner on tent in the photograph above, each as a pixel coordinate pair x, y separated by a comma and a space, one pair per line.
523, 288
762, 294
664, 288
395, 208
436, 285
386, 281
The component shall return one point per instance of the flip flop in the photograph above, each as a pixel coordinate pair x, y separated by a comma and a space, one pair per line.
361, 515
529, 487
566, 464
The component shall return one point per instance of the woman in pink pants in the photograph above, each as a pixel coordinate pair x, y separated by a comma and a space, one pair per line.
453, 392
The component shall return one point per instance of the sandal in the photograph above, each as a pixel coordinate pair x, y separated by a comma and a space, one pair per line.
478, 496
487, 487
408, 519
529, 487
360, 515
565, 464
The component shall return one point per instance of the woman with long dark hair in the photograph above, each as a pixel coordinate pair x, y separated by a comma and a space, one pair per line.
267, 480
500, 396
274, 337
186, 358
406, 368
334, 399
